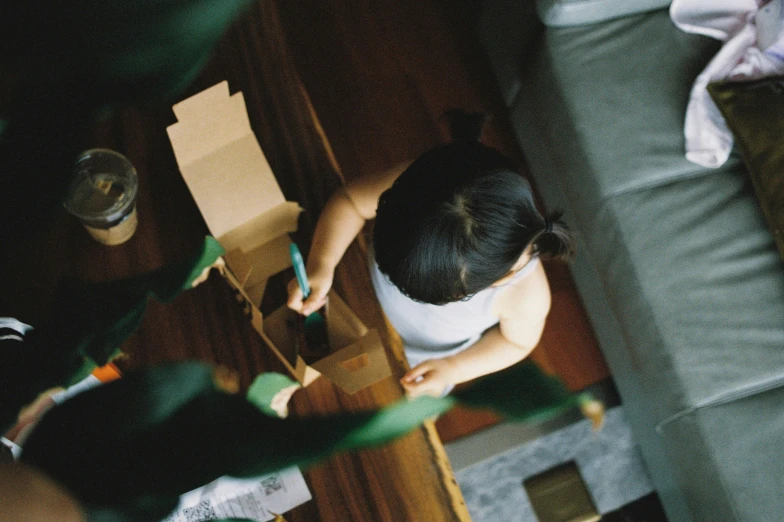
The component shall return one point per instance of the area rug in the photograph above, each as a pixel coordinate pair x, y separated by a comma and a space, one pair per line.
609, 462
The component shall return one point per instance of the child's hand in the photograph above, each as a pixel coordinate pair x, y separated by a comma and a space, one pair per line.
431, 377
320, 282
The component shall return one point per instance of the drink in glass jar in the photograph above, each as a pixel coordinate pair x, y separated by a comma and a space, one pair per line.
102, 195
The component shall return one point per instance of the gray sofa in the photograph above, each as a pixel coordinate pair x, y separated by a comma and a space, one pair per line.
677, 269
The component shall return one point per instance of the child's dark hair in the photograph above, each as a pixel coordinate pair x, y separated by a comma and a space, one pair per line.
458, 219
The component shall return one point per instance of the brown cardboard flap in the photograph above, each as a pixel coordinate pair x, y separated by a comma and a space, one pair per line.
343, 326
269, 259
281, 328
193, 108
281, 219
233, 186
256, 292
226, 170
343, 369
240, 265
211, 129
252, 270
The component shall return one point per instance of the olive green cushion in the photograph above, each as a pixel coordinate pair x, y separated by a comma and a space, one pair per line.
754, 111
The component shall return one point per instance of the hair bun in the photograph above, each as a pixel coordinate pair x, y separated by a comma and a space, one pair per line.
465, 126
556, 240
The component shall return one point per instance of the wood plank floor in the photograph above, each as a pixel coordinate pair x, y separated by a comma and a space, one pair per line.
380, 77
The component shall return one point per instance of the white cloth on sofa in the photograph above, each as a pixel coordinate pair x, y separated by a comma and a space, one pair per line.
742, 25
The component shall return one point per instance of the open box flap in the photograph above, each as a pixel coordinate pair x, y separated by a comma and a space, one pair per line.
192, 108
358, 365
240, 266
226, 170
269, 259
255, 267
296, 366
232, 186
343, 326
264, 228
252, 270
211, 128
256, 292
358, 359
278, 328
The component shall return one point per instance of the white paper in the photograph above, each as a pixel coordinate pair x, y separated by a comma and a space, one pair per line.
257, 499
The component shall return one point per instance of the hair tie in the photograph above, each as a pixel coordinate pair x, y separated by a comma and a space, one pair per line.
548, 226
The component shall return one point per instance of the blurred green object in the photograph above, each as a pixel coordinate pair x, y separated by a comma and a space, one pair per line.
150, 424
116, 51
523, 392
88, 326
62, 64
264, 389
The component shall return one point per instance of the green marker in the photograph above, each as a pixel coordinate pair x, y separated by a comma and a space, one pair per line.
299, 270
315, 327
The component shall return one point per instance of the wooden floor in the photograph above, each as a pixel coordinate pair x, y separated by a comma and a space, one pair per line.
380, 78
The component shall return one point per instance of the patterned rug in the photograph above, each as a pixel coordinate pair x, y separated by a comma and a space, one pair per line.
609, 462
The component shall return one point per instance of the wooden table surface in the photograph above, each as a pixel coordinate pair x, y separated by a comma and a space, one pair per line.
407, 481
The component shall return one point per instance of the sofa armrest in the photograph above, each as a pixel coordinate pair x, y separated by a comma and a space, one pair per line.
564, 13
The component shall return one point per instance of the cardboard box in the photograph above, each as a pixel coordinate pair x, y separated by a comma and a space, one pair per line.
245, 210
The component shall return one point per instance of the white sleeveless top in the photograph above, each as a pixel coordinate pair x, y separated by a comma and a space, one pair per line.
435, 331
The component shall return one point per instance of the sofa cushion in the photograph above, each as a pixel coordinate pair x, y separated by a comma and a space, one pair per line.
731, 454
562, 13
611, 110
695, 279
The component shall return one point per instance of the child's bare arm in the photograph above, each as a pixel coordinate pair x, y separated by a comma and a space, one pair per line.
342, 219
517, 334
